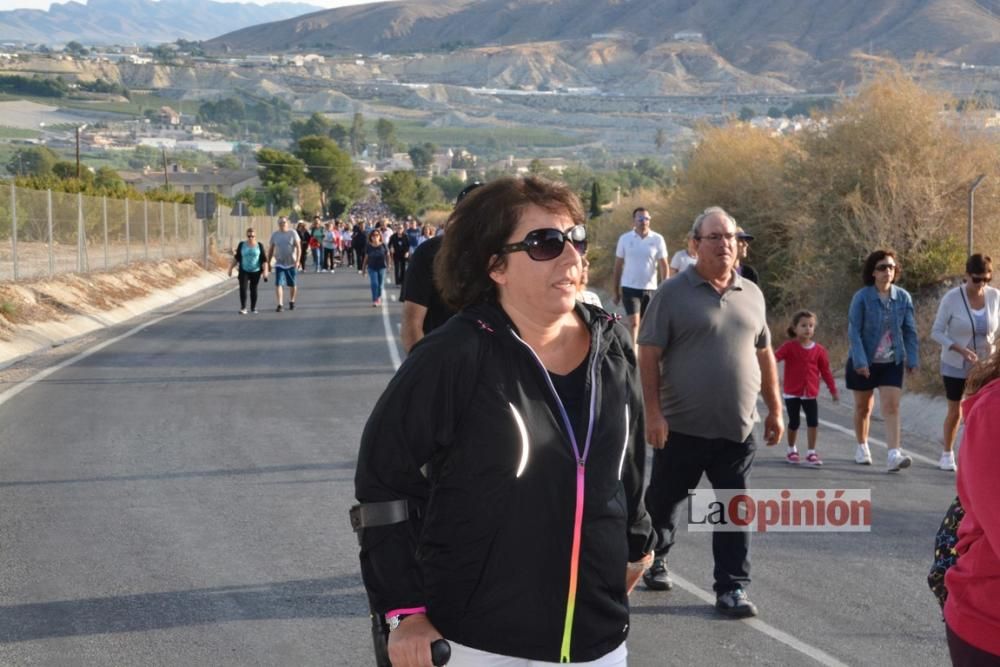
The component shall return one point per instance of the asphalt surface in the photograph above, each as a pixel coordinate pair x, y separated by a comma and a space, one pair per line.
180, 496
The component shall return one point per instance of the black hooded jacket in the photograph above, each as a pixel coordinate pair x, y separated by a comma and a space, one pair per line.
496, 556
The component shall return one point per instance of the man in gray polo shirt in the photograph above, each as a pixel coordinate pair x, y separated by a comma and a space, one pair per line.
704, 355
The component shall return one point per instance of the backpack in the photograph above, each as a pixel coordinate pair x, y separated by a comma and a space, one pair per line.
945, 554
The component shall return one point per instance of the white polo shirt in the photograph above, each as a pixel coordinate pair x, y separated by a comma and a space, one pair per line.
641, 256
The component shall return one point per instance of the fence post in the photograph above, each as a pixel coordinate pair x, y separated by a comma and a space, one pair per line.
52, 258
177, 230
79, 232
163, 225
128, 235
104, 222
13, 227
145, 229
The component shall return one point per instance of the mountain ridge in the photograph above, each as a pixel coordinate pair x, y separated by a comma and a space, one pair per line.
138, 21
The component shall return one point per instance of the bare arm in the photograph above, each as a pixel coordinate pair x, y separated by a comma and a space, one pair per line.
664, 270
616, 280
769, 389
412, 327
270, 253
649, 373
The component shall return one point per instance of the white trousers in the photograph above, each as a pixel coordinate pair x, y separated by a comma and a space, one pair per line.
463, 656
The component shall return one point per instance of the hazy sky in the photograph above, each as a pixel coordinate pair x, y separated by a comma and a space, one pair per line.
44, 4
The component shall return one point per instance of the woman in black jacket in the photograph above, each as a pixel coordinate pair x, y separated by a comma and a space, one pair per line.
526, 407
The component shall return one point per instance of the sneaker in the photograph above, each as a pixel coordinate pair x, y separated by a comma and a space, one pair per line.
897, 460
792, 457
243, 311
291, 305
947, 462
862, 455
255, 311
322, 270
278, 309
657, 577
813, 460
735, 604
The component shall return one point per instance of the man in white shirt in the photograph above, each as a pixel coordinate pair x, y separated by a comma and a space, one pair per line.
640, 253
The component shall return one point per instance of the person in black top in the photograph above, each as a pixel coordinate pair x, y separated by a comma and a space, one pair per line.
359, 245
399, 246
529, 527
423, 309
743, 239
304, 235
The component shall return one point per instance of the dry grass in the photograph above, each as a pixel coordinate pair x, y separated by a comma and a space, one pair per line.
24, 303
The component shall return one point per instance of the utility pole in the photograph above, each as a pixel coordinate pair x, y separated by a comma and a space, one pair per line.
78, 128
972, 206
166, 183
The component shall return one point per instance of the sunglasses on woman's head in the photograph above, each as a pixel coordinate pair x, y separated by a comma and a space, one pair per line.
545, 244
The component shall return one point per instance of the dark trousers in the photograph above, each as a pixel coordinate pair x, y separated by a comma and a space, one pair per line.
328, 254
349, 254
964, 654
400, 266
249, 279
677, 468
359, 255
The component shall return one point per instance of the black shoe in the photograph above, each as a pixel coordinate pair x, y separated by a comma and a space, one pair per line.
735, 604
657, 577
291, 305
278, 309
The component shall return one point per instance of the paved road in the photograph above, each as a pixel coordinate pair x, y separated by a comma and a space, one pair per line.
179, 497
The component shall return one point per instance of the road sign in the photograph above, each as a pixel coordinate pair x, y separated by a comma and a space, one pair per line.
204, 205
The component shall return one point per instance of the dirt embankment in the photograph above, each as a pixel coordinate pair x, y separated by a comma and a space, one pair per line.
48, 311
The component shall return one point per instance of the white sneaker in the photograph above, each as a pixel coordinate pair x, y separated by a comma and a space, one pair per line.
897, 460
862, 456
243, 311
947, 462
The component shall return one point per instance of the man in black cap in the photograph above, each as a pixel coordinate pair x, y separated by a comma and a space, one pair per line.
743, 239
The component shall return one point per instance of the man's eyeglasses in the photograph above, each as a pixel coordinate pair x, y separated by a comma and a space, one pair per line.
643, 218
885, 267
982, 279
545, 244
717, 238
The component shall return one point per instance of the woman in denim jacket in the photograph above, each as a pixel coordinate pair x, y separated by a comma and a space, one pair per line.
883, 337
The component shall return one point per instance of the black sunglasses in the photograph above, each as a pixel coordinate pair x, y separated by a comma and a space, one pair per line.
885, 267
545, 244
982, 279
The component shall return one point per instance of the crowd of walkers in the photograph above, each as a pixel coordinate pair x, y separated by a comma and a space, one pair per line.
508, 565
368, 238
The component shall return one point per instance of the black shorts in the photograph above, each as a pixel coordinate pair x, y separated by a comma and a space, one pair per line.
636, 300
881, 375
808, 405
953, 388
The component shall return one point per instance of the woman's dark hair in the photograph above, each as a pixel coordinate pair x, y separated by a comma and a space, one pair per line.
868, 270
373, 233
796, 318
481, 224
979, 263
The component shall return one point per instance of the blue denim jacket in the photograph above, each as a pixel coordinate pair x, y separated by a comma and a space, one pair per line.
864, 325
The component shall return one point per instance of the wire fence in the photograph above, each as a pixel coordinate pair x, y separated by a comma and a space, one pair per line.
45, 233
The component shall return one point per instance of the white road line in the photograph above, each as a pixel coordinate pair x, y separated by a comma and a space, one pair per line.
41, 375
390, 339
820, 656
875, 441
